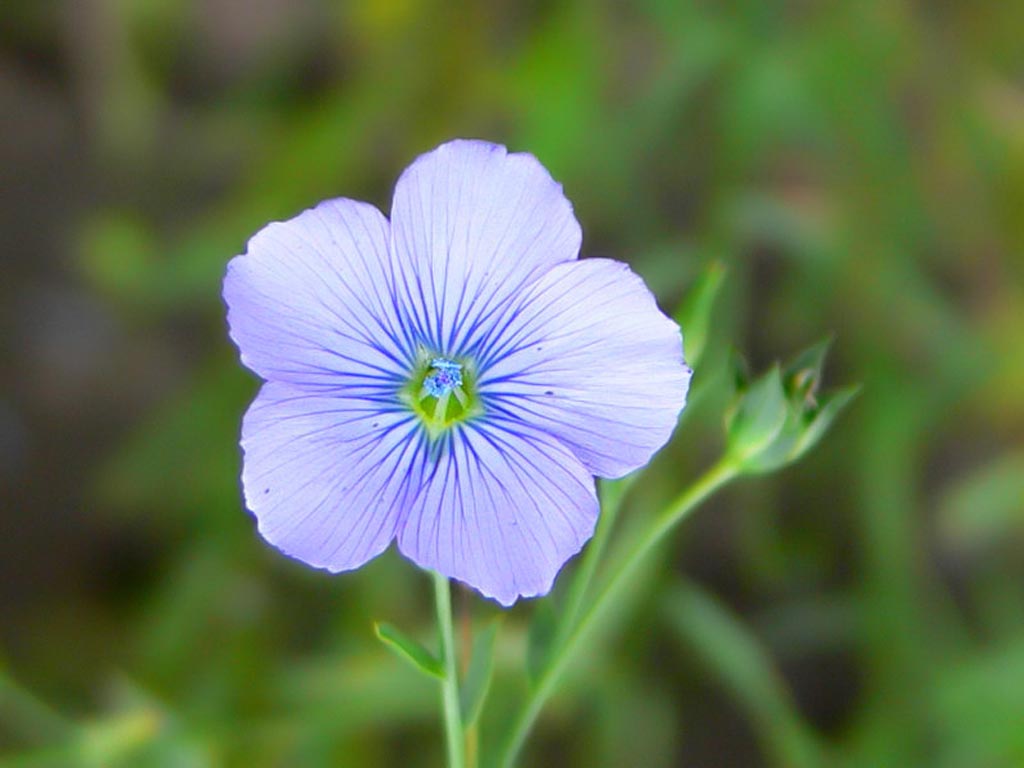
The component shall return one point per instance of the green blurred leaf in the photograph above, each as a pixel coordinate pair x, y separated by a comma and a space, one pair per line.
694, 312
987, 503
118, 256
61, 756
25, 714
543, 629
352, 692
117, 740
181, 462
738, 659
978, 704
408, 649
478, 676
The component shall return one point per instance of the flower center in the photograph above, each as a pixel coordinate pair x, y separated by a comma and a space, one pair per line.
441, 392
443, 378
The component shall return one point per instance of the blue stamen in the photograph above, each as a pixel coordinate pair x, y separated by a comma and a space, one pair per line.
444, 378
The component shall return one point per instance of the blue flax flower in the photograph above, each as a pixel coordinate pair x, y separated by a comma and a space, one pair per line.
451, 380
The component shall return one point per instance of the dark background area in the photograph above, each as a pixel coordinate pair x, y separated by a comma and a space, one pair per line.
858, 167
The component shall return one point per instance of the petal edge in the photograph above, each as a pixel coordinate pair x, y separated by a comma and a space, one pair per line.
502, 511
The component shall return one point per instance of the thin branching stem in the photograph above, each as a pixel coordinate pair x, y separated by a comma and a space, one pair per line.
712, 480
612, 494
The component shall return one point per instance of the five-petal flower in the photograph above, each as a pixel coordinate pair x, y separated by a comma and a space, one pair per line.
452, 379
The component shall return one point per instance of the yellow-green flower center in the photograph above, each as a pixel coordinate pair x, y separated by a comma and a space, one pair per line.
442, 392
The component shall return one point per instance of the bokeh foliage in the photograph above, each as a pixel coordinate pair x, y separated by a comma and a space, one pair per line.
859, 169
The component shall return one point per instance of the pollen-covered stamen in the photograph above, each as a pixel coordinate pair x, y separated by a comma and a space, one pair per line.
442, 382
442, 392
445, 378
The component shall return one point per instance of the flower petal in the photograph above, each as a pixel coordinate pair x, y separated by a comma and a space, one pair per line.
586, 355
310, 301
471, 225
328, 476
501, 509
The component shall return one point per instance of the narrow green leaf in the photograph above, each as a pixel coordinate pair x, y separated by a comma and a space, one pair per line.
408, 649
116, 740
540, 638
118, 257
736, 656
694, 312
985, 504
478, 676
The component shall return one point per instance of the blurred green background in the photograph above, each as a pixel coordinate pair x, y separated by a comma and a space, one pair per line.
858, 166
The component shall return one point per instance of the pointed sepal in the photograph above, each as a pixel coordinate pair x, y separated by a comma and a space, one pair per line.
781, 416
757, 418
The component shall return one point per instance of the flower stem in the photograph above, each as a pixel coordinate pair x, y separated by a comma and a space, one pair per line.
471, 732
612, 493
720, 474
450, 682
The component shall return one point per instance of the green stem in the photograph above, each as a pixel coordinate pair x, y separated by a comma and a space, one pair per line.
450, 682
720, 474
612, 493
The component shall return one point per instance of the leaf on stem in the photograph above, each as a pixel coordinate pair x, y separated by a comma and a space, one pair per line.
408, 649
694, 313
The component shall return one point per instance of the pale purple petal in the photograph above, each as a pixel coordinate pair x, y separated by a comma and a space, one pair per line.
501, 509
586, 355
326, 476
471, 226
576, 370
310, 301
